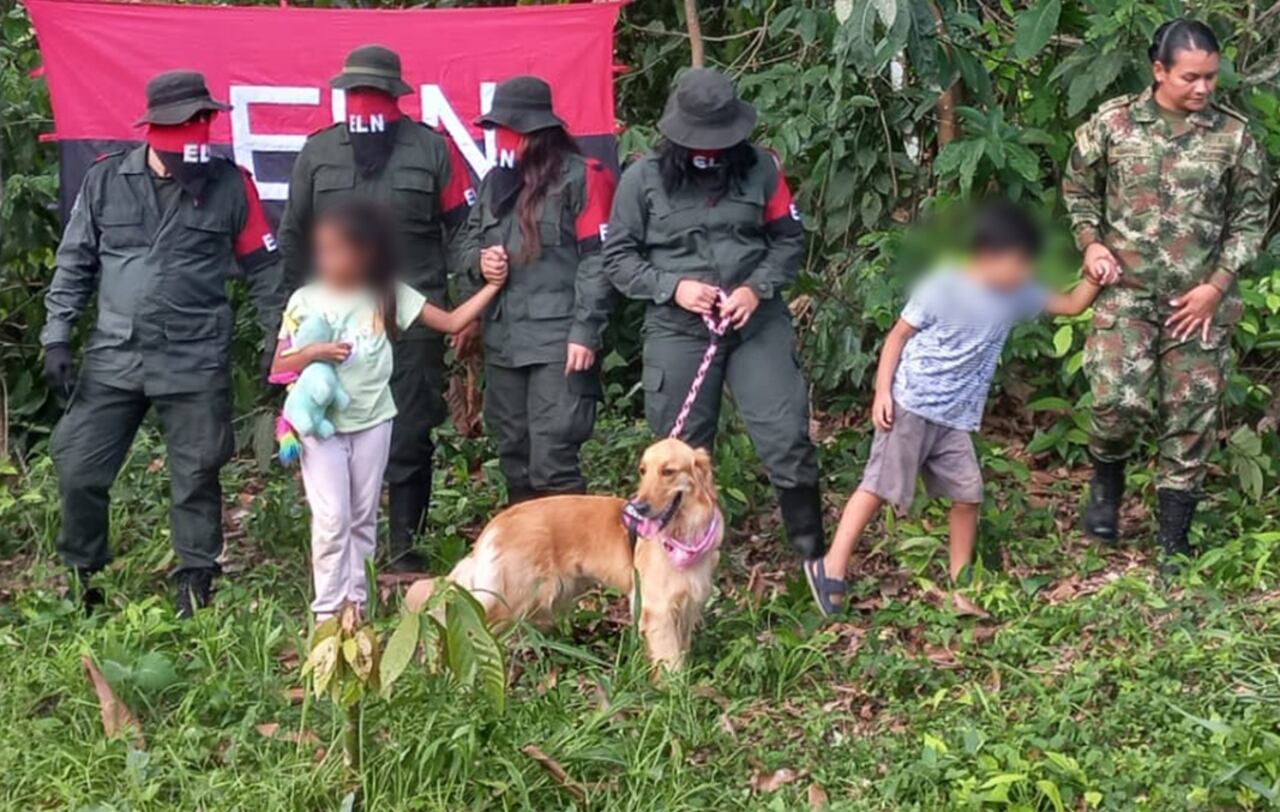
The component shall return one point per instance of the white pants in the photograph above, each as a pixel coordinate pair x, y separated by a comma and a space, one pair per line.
343, 478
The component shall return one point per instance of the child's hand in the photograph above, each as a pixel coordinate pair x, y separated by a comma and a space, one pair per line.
1100, 265
882, 411
335, 352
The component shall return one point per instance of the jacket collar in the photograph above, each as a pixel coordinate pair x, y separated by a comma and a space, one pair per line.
135, 163
1146, 110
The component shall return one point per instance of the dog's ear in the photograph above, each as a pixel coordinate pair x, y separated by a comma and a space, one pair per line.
702, 472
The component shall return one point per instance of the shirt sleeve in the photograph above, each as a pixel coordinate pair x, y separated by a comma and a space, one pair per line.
257, 255
294, 314
1084, 182
409, 304
785, 233
920, 311
459, 194
1032, 301
593, 294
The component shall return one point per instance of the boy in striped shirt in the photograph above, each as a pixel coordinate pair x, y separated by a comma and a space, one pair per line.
932, 382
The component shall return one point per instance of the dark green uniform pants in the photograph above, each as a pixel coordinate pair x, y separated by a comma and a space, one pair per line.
541, 418
767, 384
417, 386
89, 447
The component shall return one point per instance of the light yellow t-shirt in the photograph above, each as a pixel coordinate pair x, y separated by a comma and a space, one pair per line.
356, 320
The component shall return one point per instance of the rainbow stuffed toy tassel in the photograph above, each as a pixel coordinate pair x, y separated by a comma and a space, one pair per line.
287, 439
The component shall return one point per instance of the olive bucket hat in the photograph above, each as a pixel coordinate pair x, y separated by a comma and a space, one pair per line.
522, 104
372, 66
704, 112
175, 96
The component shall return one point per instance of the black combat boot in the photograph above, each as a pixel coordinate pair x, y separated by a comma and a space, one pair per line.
407, 514
1101, 519
519, 493
90, 597
802, 517
195, 589
1176, 510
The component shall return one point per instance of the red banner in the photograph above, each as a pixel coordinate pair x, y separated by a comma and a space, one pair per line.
273, 65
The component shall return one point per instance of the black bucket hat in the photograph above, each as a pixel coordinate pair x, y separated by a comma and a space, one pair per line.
372, 66
704, 112
176, 96
522, 104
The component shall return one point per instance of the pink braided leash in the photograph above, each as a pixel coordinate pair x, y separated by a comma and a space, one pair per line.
716, 325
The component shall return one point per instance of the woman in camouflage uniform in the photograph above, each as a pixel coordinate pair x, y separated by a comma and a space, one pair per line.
1167, 190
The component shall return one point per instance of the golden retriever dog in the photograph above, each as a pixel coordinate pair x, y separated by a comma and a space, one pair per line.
535, 559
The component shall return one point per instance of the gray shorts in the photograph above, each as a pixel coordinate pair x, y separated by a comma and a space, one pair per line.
915, 447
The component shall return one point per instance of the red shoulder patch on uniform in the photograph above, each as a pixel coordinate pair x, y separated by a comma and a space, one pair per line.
780, 203
256, 234
459, 193
593, 220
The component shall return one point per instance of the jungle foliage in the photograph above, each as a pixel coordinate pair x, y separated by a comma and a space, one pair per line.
1071, 679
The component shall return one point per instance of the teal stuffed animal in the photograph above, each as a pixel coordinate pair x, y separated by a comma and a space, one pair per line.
317, 389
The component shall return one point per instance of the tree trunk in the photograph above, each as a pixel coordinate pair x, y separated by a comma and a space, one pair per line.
946, 107
695, 32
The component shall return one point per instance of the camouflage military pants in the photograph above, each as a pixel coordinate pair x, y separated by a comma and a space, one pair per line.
1141, 375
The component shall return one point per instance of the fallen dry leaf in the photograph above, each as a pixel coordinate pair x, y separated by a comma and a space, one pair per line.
557, 772
771, 782
295, 695
268, 729
964, 606
817, 797
116, 716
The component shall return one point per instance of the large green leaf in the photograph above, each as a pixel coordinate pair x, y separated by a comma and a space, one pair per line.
474, 655
399, 650
1035, 26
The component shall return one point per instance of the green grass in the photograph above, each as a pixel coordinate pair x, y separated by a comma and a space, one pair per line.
1091, 684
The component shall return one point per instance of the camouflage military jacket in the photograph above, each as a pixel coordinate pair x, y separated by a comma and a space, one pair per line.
1177, 205
559, 296
159, 276
750, 236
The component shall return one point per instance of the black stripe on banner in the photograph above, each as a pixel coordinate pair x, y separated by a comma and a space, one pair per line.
76, 156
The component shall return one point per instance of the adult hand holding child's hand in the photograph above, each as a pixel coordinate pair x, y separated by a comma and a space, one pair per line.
1100, 265
494, 265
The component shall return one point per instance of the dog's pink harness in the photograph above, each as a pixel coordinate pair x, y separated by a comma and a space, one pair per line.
682, 554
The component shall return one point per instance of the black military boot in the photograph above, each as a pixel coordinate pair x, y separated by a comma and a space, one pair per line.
90, 597
1176, 511
1101, 519
802, 517
195, 589
407, 515
519, 493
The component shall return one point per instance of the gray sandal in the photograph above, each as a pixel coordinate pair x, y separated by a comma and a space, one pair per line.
822, 587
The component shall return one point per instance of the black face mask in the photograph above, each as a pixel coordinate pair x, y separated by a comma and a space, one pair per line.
183, 149
372, 150
192, 177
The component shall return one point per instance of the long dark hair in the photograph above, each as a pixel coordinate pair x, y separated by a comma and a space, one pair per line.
676, 169
1181, 34
540, 165
367, 227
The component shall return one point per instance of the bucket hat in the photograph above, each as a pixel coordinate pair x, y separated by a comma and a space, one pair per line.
704, 112
522, 104
176, 96
372, 66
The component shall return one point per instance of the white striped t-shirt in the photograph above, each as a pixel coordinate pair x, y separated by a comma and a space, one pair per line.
945, 370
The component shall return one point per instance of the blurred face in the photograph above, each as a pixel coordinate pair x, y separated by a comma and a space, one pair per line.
1005, 269
1187, 83
338, 261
